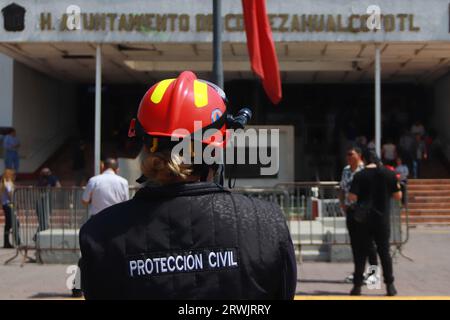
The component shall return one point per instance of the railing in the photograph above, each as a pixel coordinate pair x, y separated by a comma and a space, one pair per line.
314, 210
279, 196
49, 219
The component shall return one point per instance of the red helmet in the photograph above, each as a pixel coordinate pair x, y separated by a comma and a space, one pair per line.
173, 104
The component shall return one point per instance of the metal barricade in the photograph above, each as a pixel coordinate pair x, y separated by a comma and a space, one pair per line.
280, 197
316, 217
47, 219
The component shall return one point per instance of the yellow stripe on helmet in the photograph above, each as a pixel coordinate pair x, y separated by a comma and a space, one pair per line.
160, 89
200, 94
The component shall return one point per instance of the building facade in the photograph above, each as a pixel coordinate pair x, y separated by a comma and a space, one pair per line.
326, 51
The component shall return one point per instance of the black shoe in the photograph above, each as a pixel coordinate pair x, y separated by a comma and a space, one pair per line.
356, 291
390, 290
77, 293
6, 243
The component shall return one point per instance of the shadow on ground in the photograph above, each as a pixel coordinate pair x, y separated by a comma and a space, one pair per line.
321, 293
321, 281
51, 295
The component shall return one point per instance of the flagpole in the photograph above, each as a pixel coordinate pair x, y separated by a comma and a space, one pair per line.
378, 100
218, 67
217, 43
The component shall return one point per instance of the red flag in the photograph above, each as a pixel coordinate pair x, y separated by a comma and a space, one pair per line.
261, 48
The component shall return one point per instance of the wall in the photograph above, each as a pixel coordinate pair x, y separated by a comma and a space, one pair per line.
409, 20
6, 98
6, 90
44, 115
441, 117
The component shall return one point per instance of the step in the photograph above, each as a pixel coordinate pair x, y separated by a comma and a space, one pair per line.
427, 219
428, 181
427, 187
428, 205
429, 199
429, 193
429, 224
422, 199
421, 212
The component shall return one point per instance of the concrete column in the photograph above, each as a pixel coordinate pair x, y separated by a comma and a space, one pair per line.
6, 91
98, 108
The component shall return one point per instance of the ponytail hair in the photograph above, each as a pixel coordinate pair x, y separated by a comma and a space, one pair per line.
164, 167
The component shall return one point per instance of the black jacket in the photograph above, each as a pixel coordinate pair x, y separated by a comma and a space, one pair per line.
188, 241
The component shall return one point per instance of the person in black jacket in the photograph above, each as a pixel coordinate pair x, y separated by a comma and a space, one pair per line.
183, 236
372, 189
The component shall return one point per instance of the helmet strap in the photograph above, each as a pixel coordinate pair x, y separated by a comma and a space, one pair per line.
219, 176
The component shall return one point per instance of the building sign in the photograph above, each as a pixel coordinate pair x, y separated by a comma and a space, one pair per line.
183, 22
191, 20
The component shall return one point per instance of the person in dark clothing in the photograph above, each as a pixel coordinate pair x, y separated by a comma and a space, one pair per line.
6, 192
79, 163
354, 165
47, 179
373, 188
183, 236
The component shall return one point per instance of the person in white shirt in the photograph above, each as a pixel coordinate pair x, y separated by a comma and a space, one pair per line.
389, 152
106, 189
102, 191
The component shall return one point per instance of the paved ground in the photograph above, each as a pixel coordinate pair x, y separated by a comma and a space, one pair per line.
427, 275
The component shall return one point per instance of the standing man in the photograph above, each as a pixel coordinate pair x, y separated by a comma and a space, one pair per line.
105, 189
48, 179
354, 165
373, 188
420, 154
389, 152
11, 146
43, 206
102, 191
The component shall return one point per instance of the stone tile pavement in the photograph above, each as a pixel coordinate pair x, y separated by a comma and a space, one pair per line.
427, 275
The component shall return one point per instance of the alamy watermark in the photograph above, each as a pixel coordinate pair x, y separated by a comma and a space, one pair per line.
374, 20
373, 280
73, 281
250, 146
73, 21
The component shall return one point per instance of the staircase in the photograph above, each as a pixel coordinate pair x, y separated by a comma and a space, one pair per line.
429, 202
